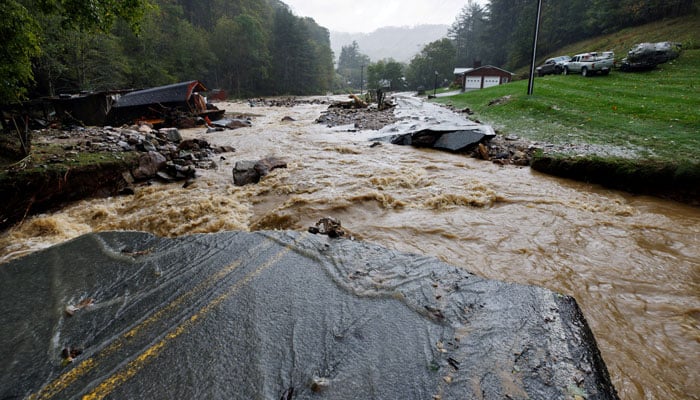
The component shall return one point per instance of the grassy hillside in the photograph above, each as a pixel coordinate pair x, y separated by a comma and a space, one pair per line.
685, 30
644, 124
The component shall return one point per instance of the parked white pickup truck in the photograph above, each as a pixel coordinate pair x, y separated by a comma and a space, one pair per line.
590, 63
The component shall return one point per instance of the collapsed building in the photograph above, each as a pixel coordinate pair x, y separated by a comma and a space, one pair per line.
177, 105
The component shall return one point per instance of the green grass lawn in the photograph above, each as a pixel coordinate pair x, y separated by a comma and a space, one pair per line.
655, 115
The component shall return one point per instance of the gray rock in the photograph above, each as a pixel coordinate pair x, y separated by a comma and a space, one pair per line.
148, 146
207, 164
264, 166
171, 134
224, 149
149, 164
247, 172
244, 173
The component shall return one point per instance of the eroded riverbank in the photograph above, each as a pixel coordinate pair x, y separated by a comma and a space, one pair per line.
630, 261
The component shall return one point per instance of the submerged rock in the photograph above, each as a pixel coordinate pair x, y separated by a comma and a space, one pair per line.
247, 172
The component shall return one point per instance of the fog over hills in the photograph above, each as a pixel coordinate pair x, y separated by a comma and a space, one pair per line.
399, 43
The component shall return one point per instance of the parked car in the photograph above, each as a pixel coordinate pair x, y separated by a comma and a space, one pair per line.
553, 65
590, 63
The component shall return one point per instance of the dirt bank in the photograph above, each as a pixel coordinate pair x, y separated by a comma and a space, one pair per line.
674, 182
65, 166
42, 190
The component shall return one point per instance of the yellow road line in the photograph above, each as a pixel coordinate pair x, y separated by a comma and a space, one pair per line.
64, 380
133, 367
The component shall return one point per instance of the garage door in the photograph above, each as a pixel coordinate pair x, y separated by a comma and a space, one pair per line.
491, 81
473, 82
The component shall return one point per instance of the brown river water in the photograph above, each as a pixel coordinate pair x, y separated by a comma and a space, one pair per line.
631, 262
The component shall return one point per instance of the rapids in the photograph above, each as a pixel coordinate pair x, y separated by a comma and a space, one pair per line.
631, 262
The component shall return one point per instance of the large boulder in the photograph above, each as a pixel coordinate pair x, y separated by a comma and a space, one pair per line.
247, 172
281, 315
149, 165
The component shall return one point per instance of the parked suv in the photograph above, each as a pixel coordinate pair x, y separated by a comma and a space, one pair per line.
552, 66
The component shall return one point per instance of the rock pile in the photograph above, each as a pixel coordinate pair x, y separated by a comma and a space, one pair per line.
284, 102
363, 118
164, 153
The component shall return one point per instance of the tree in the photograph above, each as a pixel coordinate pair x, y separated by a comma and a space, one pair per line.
302, 59
386, 71
22, 34
19, 33
436, 57
468, 34
351, 64
244, 61
322, 56
290, 49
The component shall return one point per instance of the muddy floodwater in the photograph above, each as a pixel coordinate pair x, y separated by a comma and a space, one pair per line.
631, 262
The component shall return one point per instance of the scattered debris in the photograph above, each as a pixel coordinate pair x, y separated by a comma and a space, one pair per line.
354, 103
232, 123
484, 152
328, 226
68, 354
284, 102
70, 310
178, 105
501, 100
361, 119
435, 312
453, 363
319, 384
467, 111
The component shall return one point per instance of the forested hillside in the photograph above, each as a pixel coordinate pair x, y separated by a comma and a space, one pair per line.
248, 47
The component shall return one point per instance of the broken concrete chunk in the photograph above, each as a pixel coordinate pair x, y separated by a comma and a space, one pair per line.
232, 123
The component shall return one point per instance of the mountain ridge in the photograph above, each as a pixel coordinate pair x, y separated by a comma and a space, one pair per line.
398, 42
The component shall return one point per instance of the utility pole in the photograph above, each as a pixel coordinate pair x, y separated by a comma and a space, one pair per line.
362, 79
435, 86
531, 82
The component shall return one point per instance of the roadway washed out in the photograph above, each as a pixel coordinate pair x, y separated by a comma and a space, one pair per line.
281, 315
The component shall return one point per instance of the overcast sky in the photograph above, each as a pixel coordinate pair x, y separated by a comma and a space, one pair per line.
368, 15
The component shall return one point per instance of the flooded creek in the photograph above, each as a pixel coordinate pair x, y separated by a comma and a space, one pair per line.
631, 262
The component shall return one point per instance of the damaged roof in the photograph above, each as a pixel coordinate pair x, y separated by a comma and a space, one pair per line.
175, 93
